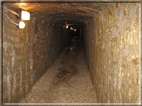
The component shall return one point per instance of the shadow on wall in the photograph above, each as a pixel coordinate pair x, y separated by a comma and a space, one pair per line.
112, 48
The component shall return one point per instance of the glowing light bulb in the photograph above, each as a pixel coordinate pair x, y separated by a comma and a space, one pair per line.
25, 15
71, 28
22, 4
21, 24
67, 26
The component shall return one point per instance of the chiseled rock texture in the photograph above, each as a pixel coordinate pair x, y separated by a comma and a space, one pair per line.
27, 54
112, 48
111, 38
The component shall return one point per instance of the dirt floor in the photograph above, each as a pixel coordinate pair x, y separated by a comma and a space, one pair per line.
67, 81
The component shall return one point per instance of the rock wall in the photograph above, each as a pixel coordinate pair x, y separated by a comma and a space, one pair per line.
27, 53
111, 41
112, 45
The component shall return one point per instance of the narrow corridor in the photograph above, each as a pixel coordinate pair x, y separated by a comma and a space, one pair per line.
68, 82
71, 52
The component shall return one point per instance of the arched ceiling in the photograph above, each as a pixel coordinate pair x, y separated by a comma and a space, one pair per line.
59, 11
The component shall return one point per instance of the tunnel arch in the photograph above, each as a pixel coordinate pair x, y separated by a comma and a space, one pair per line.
110, 47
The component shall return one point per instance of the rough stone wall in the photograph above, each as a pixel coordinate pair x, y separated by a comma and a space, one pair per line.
0, 58
27, 54
114, 53
89, 42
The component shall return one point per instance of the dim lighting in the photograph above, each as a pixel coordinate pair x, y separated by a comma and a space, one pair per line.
25, 15
21, 24
71, 28
74, 29
22, 4
67, 26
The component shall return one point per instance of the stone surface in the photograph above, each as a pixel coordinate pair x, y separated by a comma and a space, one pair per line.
111, 33
73, 88
27, 54
112, 47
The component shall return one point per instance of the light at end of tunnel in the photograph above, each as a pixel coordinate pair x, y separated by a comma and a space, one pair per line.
25, 15
21, 24
71, 28
67, 26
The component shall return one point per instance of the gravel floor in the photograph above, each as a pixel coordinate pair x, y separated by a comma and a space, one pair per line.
60, 86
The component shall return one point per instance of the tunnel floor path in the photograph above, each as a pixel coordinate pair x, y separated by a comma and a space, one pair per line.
67, 81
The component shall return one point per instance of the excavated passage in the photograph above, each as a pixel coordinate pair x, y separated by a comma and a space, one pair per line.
67, 81
111, 36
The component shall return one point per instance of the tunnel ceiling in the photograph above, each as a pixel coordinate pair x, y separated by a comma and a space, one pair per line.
54, 12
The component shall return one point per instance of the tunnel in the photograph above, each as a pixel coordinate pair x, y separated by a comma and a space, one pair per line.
100, 40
